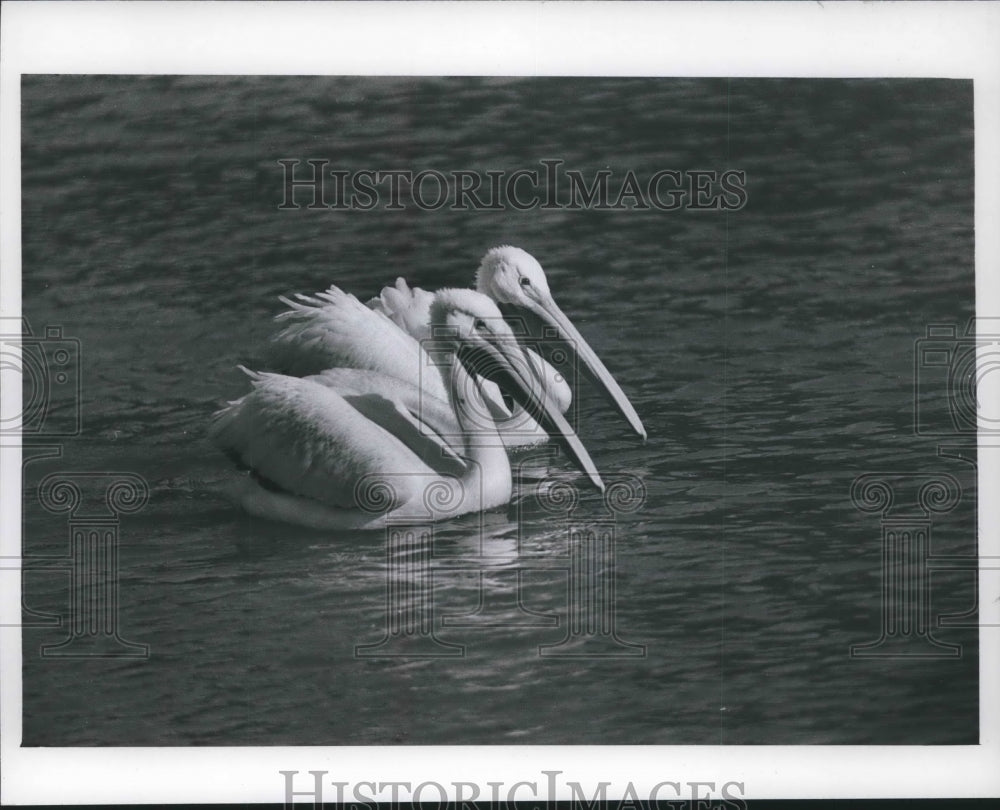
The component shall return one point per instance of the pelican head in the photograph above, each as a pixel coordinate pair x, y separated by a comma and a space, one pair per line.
515, 280
455, 312
510, 275
484, 345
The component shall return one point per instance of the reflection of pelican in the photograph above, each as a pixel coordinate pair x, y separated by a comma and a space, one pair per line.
350, 450
322, 332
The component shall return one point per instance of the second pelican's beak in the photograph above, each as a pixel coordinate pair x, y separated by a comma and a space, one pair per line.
547, 311
502, 361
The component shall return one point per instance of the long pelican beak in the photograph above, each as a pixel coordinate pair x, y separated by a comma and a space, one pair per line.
548, 312
504, 362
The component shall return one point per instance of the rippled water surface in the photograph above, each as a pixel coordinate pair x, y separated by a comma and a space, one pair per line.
769, 350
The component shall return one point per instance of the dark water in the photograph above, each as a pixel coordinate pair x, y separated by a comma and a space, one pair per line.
769, 350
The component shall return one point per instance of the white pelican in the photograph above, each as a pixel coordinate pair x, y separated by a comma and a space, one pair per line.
327, 331
332, 329
342, 451
516, 281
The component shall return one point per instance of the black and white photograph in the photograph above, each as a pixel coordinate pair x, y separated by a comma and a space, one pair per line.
499, 408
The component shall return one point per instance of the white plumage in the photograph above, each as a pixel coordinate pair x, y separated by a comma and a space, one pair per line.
348, 449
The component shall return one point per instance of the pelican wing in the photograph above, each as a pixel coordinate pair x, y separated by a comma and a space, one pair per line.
417, 419
333, 329
407, 307
311, 442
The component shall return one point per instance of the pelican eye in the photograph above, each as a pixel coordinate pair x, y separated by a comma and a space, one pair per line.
525, 281
480, 324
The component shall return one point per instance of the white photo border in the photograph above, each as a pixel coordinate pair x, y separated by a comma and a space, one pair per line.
848, 39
